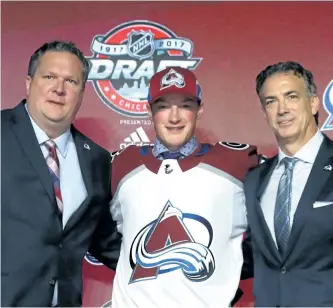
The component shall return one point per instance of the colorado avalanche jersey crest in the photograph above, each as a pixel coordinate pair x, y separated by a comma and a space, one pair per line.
167, 244
182, 224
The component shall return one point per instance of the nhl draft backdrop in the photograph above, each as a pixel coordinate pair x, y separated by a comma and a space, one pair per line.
226, 44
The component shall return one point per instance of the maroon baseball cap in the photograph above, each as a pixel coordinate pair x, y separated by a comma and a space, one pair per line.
174, 80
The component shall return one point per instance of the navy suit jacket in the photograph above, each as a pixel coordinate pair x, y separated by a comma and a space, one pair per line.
303, 276
35, 250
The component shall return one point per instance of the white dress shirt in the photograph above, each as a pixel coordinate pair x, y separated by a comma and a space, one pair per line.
306, 157
73, 190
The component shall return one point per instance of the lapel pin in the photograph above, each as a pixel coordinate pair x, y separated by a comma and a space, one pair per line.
328, 168
86, 146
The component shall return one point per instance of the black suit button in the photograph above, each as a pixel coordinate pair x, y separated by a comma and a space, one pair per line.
60, 245
52, 282
283, 270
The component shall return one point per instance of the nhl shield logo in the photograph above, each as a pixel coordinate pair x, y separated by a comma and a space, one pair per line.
141, 44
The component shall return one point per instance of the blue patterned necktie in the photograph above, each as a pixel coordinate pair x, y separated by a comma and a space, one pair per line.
172, 155
282, 206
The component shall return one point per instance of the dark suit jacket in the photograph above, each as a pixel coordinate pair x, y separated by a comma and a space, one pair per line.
35, 250
304, 275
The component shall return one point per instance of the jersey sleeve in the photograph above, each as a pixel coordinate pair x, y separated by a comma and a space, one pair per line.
123, 162
233, 158
239, 222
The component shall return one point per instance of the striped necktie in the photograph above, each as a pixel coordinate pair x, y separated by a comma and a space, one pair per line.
282, 206
52, 162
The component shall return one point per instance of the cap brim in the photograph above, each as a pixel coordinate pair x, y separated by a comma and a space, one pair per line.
189, 95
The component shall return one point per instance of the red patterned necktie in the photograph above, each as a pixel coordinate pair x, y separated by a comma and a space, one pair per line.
53, 165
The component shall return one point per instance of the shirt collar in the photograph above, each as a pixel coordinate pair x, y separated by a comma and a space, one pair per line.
309, 151
61, 141
186, 150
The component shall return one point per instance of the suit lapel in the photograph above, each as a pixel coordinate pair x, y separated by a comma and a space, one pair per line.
26, 136
85, 156
316, 181
264, 177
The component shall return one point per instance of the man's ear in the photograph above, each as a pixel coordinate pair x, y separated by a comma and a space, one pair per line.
200, 110
150, 112
28, 81
315, 102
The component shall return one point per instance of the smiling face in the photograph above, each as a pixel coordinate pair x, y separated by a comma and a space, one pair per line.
55, 92
174, 117
289, 108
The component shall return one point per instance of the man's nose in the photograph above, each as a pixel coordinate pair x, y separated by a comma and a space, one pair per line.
59, 87
282, 107
174, 116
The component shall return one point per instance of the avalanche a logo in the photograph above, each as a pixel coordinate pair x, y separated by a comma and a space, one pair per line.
172, 78
125, 59
175, 241
328, 105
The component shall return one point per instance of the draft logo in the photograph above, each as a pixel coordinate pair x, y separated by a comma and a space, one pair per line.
125, 58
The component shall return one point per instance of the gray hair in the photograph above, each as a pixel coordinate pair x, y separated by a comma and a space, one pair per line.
288, 67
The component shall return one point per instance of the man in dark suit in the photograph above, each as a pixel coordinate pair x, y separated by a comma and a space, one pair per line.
290, 196
55, 187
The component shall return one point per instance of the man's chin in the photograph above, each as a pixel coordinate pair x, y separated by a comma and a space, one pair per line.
286, 135
174, 146
55, 119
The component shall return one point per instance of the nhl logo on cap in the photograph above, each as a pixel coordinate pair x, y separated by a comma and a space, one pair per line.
172, 78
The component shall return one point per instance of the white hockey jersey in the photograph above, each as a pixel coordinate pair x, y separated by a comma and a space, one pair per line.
182, 224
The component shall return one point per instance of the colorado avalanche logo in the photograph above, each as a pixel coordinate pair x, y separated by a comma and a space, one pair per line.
328, 105
166, 245
172, 78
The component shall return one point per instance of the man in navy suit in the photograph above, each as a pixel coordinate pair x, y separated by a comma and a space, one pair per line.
55, 187
290, 196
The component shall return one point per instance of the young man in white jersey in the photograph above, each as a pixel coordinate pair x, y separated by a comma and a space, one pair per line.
179, 206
